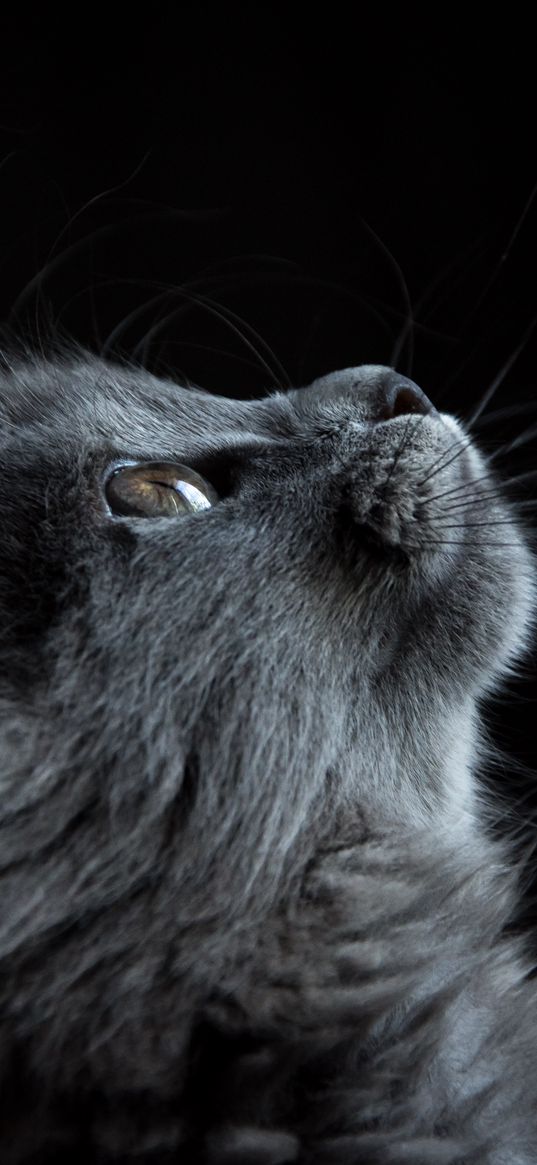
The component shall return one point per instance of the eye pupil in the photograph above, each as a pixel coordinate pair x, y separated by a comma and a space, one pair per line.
157, 489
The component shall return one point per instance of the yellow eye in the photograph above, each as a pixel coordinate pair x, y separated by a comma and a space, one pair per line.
157, 489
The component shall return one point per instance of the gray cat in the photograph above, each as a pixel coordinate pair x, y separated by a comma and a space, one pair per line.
251, 908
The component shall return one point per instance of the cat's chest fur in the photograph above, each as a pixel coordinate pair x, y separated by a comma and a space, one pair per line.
249, 909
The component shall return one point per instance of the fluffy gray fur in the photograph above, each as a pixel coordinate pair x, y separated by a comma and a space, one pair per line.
250, 909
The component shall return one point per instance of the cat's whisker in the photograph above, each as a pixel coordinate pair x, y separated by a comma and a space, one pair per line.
234, 323
455, 542
418, 324
496, 271
469, 525
462, 447
515, 443
190, 298
498, 490
478, 500
528, 475
504, 370
54, 263
459, 489
236, 357
166, 291
507, 249
97, 199
505, 414
526, 503
399, 451
111, 340
406, 299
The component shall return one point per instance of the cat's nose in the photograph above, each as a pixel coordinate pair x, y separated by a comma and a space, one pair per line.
395, 396
376, 392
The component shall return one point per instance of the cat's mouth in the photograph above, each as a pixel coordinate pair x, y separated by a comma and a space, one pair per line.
419, 490
373, 539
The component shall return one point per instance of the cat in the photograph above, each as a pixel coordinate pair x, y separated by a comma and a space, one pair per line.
251, 907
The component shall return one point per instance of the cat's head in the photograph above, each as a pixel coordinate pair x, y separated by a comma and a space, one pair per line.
223, 622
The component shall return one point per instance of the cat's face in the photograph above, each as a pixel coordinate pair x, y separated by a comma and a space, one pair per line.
215, 683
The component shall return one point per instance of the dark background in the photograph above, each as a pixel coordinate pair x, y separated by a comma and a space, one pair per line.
251, 197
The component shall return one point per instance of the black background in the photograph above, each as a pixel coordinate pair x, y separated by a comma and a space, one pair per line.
255, 196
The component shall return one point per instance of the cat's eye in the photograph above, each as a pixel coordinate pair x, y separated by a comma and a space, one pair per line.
157, 489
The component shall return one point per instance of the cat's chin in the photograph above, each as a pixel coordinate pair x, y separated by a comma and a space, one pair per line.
378, 545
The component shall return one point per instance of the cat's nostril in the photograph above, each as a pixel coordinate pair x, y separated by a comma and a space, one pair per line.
411, 400
399, 397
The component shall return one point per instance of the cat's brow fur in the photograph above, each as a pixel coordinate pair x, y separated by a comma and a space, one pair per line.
250, 909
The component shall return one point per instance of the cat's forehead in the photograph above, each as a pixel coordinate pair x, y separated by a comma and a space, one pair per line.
91, 399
